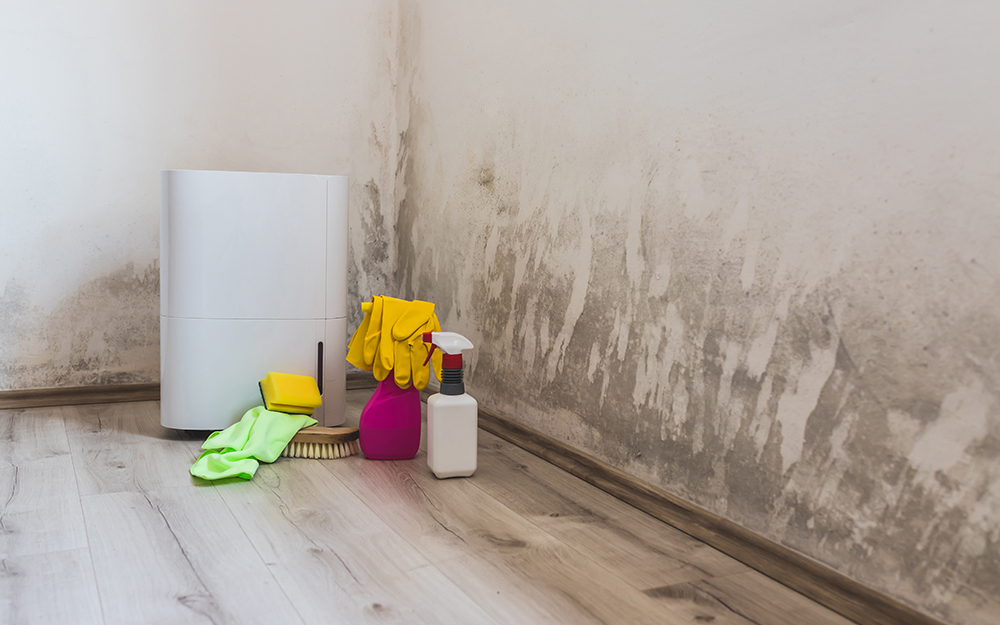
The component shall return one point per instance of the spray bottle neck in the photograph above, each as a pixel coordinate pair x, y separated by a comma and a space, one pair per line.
452, 376
452, 382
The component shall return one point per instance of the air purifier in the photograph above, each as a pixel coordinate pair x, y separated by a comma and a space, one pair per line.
253, 278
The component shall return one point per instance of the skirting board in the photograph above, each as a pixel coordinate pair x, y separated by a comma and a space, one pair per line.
360, 379
77, 395
801, 573
113, 394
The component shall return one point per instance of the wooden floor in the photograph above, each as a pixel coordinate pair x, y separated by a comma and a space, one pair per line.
100, 522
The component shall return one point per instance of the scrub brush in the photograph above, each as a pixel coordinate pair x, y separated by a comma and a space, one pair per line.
322, 443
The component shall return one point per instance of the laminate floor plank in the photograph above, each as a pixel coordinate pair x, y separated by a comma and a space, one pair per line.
123, 447
32, 434
177, 555
764, 600
642, 550
56, 587
39, 501
510, 566
40, 508
335, 558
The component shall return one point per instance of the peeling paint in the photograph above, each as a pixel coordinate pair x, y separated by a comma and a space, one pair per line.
797, 404
963, 420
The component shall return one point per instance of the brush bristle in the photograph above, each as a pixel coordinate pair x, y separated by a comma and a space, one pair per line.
321, 451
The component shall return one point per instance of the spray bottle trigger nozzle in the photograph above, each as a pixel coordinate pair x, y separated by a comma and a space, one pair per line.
429, 354
428, 337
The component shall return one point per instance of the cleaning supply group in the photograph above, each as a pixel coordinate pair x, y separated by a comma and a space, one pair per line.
398, 341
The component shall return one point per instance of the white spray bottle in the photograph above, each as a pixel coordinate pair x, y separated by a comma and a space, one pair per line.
452, 415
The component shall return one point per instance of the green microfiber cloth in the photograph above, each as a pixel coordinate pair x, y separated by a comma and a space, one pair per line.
259, 435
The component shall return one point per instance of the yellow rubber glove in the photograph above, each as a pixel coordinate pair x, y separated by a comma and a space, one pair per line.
392, 310
418, 354
374, 333
402, 368
390, 338
356, 348
406, 336
363, 352
417, 314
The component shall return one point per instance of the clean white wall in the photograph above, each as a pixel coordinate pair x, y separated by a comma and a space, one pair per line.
745, 251
98, 97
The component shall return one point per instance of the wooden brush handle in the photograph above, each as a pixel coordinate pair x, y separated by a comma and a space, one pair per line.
318, 434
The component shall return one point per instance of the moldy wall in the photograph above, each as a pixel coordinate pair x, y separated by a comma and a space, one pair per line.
745, 252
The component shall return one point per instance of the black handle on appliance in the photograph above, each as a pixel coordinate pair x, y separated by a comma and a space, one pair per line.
319, 366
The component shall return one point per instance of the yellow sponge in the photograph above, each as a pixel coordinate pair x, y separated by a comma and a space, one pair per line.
286, 392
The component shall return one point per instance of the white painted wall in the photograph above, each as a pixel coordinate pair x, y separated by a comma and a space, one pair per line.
98, 97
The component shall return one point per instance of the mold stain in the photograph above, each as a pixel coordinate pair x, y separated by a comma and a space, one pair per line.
661, 302
371, 253
107, 332
628, 312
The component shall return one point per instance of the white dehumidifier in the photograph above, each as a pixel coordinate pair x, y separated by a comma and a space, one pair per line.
253, 278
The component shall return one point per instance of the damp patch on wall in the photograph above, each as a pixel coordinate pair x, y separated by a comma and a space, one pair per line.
786, 322
106, 332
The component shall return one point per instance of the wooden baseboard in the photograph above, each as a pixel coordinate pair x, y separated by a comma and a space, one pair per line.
77, 395
115, 393
801, 573
360, 379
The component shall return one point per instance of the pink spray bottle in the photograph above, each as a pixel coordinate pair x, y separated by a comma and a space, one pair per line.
390, 422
